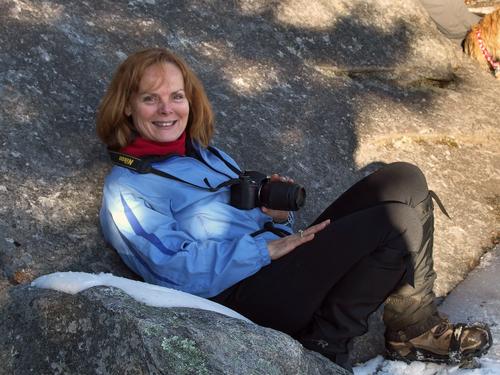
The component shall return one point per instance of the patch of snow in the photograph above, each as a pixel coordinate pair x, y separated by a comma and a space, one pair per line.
379, 366
152, 295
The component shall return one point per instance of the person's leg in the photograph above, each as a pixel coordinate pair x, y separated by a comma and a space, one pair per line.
325, 290
396, 182
452, 17
411, 310
286, 294
345, 310
412, 305
414, 328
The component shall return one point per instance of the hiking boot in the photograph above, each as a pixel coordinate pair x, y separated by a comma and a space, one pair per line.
444, 343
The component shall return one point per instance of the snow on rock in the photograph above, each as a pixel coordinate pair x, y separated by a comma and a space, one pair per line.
153, 295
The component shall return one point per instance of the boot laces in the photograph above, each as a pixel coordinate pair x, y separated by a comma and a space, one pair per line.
441, 329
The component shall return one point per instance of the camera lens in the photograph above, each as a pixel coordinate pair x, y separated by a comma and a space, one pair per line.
282, 196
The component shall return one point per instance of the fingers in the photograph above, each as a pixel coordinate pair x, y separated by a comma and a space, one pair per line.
307, 235
277, 177
318, 227
303, 238
278, 248
275, 214
313, 229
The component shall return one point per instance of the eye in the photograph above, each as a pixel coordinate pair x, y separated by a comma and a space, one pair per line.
150, 99
179, 96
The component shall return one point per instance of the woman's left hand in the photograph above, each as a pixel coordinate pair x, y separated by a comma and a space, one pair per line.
277, 215
282, 246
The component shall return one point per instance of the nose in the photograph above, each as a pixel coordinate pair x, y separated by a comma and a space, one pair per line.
164, 107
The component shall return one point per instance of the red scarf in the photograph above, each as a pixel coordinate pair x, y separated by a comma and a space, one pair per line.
141, 147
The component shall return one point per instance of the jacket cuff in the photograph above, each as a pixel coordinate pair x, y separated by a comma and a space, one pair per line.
261, 242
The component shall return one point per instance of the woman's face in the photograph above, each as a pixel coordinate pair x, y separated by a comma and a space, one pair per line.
160, 108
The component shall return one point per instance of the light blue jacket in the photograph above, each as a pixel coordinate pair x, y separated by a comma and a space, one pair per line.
181, 237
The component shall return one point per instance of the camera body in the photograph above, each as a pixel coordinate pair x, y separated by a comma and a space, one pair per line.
255, 189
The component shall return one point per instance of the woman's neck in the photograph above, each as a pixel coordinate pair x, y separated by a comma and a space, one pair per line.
141, 147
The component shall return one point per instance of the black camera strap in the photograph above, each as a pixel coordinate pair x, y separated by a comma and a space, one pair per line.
228, 164
269, 227
143, 166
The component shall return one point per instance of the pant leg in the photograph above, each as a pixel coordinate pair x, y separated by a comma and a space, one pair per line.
410, 310
286, 294
325, 289
344, 312
452, 17
396, 182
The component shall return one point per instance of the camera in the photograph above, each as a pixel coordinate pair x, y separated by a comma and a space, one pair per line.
254, 189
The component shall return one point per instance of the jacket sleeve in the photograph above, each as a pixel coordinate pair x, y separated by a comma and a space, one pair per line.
151, 244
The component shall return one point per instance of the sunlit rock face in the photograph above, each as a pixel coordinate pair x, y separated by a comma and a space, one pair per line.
323, 91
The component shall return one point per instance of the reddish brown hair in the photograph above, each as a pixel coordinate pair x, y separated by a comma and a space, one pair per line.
116, 129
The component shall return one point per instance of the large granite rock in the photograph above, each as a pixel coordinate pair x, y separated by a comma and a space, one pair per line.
104, 331
324, 91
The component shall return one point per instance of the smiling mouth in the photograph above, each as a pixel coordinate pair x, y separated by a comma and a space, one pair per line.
164, 124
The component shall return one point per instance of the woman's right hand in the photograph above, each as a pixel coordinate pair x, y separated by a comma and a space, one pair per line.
281, 247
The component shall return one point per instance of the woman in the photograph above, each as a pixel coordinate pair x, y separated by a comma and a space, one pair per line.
166, 210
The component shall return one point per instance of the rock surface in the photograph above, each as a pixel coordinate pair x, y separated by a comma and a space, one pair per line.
323, 91
104, 331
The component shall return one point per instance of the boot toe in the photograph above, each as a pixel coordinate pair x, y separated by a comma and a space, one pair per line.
444, 343
476, 339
